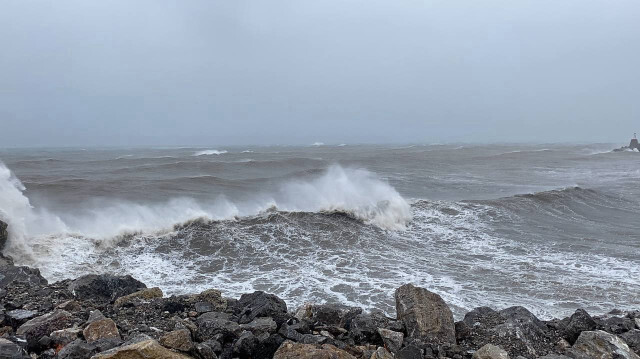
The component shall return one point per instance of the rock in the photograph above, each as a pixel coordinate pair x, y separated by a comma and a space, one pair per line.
617, 325
246, 345
637, 321
490, 351
11, 350
212, 324
104, 286
101, 329
17, 317
261, 304
38, 327
579, 322
141, 350
205, 351
334, 314
70, 306
409, 352
77, 349
11, 275
632, 338
213, 297
364, 327
381, 353
4, 235
425, 314
65, 336
601, 345
392, 340
552, 356
261, 326
95, 315
139, 296
178, 340
290, 350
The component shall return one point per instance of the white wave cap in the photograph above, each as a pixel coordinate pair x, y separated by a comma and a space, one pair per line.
210, 152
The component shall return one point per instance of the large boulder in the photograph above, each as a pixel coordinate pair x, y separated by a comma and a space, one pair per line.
425, 315
104, 287
579, 322
490, 351
290, 350
391, 339
514, 329
261, 304
332, 314
140, 350
41, 326
601, 345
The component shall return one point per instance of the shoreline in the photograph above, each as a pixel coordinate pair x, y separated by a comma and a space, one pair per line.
110, 316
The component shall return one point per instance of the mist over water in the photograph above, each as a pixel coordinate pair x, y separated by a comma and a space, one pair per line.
550, 227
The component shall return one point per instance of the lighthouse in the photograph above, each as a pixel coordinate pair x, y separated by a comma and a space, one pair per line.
634, 143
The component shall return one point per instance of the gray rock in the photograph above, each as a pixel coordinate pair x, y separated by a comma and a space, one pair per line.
246, 345
11, 274
95, 315
38, 327
601, 345
17, 317
381, 353
425, 314
579, 322
632, 338
617, 325
364, 327
261, 326
11, 350
392, 340
334, 314
212, 324
104, 286
490, 351
261, 304
409, 352
65, 336
205, 351
78, 349
553, 356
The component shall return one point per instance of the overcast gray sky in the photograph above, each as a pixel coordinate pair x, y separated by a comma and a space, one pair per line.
295, 71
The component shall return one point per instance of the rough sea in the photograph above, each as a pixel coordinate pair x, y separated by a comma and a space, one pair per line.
550, 227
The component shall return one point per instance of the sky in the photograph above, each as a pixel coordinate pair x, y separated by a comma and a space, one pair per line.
156, 72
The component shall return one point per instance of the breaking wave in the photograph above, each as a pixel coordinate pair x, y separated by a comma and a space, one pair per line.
209, 152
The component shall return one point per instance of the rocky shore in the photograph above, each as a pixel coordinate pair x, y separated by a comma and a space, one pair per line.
118, 317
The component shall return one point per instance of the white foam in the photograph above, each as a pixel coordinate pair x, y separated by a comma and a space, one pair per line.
210, 152
317, 144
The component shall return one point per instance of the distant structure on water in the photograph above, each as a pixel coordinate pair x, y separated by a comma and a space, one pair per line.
633, 145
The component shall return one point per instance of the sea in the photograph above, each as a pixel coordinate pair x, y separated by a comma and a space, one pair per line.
551, 227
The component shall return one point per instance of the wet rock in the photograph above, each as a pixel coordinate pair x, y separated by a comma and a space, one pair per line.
261, 326
63, 337
425, 314
17, 317
12, 275
579, 322
137, 297
178, 340
602, 345
212, 324
261, 304
632, 338
381, 353
38, 327
104, 286
617, 325
4, 234
364, 327
11, 350
334, 314
290, 350
101, 329
490, 351
246, 345
144, 349
392, 340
